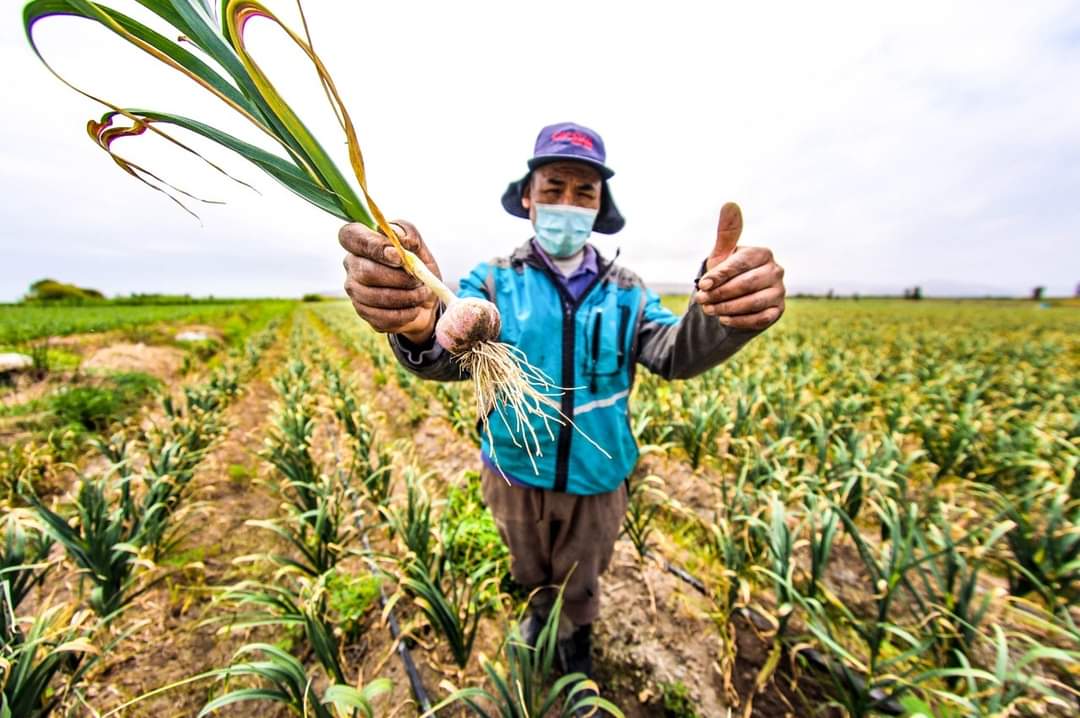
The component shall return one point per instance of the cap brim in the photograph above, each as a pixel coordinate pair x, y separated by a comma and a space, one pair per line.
608, 220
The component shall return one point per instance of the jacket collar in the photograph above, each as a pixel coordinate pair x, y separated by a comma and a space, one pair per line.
527, 254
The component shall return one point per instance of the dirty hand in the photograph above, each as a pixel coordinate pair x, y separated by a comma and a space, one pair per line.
383, 294
743, 287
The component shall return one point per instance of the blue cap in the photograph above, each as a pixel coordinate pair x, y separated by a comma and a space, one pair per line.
569, 141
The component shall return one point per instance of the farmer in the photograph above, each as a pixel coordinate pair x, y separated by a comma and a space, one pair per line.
586, 322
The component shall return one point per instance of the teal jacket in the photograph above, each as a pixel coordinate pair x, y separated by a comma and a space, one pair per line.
593, 344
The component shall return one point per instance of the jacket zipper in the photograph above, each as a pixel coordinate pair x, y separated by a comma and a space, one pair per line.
597, 325
570, 307
624, 324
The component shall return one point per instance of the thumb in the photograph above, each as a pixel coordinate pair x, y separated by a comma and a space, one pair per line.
728, 230
407, 234
410, 239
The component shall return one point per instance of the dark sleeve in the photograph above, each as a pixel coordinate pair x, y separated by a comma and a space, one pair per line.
676, 347
432, 361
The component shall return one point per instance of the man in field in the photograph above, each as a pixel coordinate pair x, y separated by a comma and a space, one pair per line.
586, 322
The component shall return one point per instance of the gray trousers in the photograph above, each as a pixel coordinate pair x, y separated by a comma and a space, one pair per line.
553, 535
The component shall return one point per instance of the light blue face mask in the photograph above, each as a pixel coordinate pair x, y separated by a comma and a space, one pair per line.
562, 229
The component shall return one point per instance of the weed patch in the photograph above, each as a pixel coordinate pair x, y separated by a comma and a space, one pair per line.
97, 407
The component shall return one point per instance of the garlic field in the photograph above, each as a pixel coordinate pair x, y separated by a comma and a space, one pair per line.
872, 509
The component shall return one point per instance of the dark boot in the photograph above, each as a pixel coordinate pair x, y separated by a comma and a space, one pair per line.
532, 625
575, 652
575, 656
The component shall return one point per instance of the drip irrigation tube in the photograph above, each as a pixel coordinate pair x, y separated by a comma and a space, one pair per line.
687, 577
415, 681
819, 662
395, 631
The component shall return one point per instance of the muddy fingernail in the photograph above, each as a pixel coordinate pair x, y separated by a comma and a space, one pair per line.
706, 283
391, 255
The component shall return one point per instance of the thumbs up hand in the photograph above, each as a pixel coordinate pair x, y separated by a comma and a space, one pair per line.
743, 287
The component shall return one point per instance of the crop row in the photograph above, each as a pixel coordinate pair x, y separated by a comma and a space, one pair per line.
24, 323
941, 465
342, 481
120, 521
894, 504
943, 468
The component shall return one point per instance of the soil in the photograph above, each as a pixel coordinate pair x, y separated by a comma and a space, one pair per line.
101, 353
83, 342
24, 389
653, 631
695, 489
656, 630
161, 361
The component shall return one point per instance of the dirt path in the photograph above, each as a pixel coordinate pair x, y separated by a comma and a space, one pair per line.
175, 644
429, 443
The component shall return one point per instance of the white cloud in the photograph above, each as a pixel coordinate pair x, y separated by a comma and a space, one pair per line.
869, 145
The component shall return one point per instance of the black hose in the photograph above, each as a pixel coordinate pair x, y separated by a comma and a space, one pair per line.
688, 578
415, 681
395, 631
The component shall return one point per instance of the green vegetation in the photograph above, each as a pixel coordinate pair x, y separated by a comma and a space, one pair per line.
893, 488
50, 290
78, 413
23, 562
97, 407
476, 539
56, 644
937, 443
287, 681
522, 685
101, 543
677, 701
54, 293
643, 502
23, 323
239, 474
350, 597
78, 408
66, 422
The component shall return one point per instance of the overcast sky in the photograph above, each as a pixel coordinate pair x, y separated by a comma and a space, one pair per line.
872, 146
